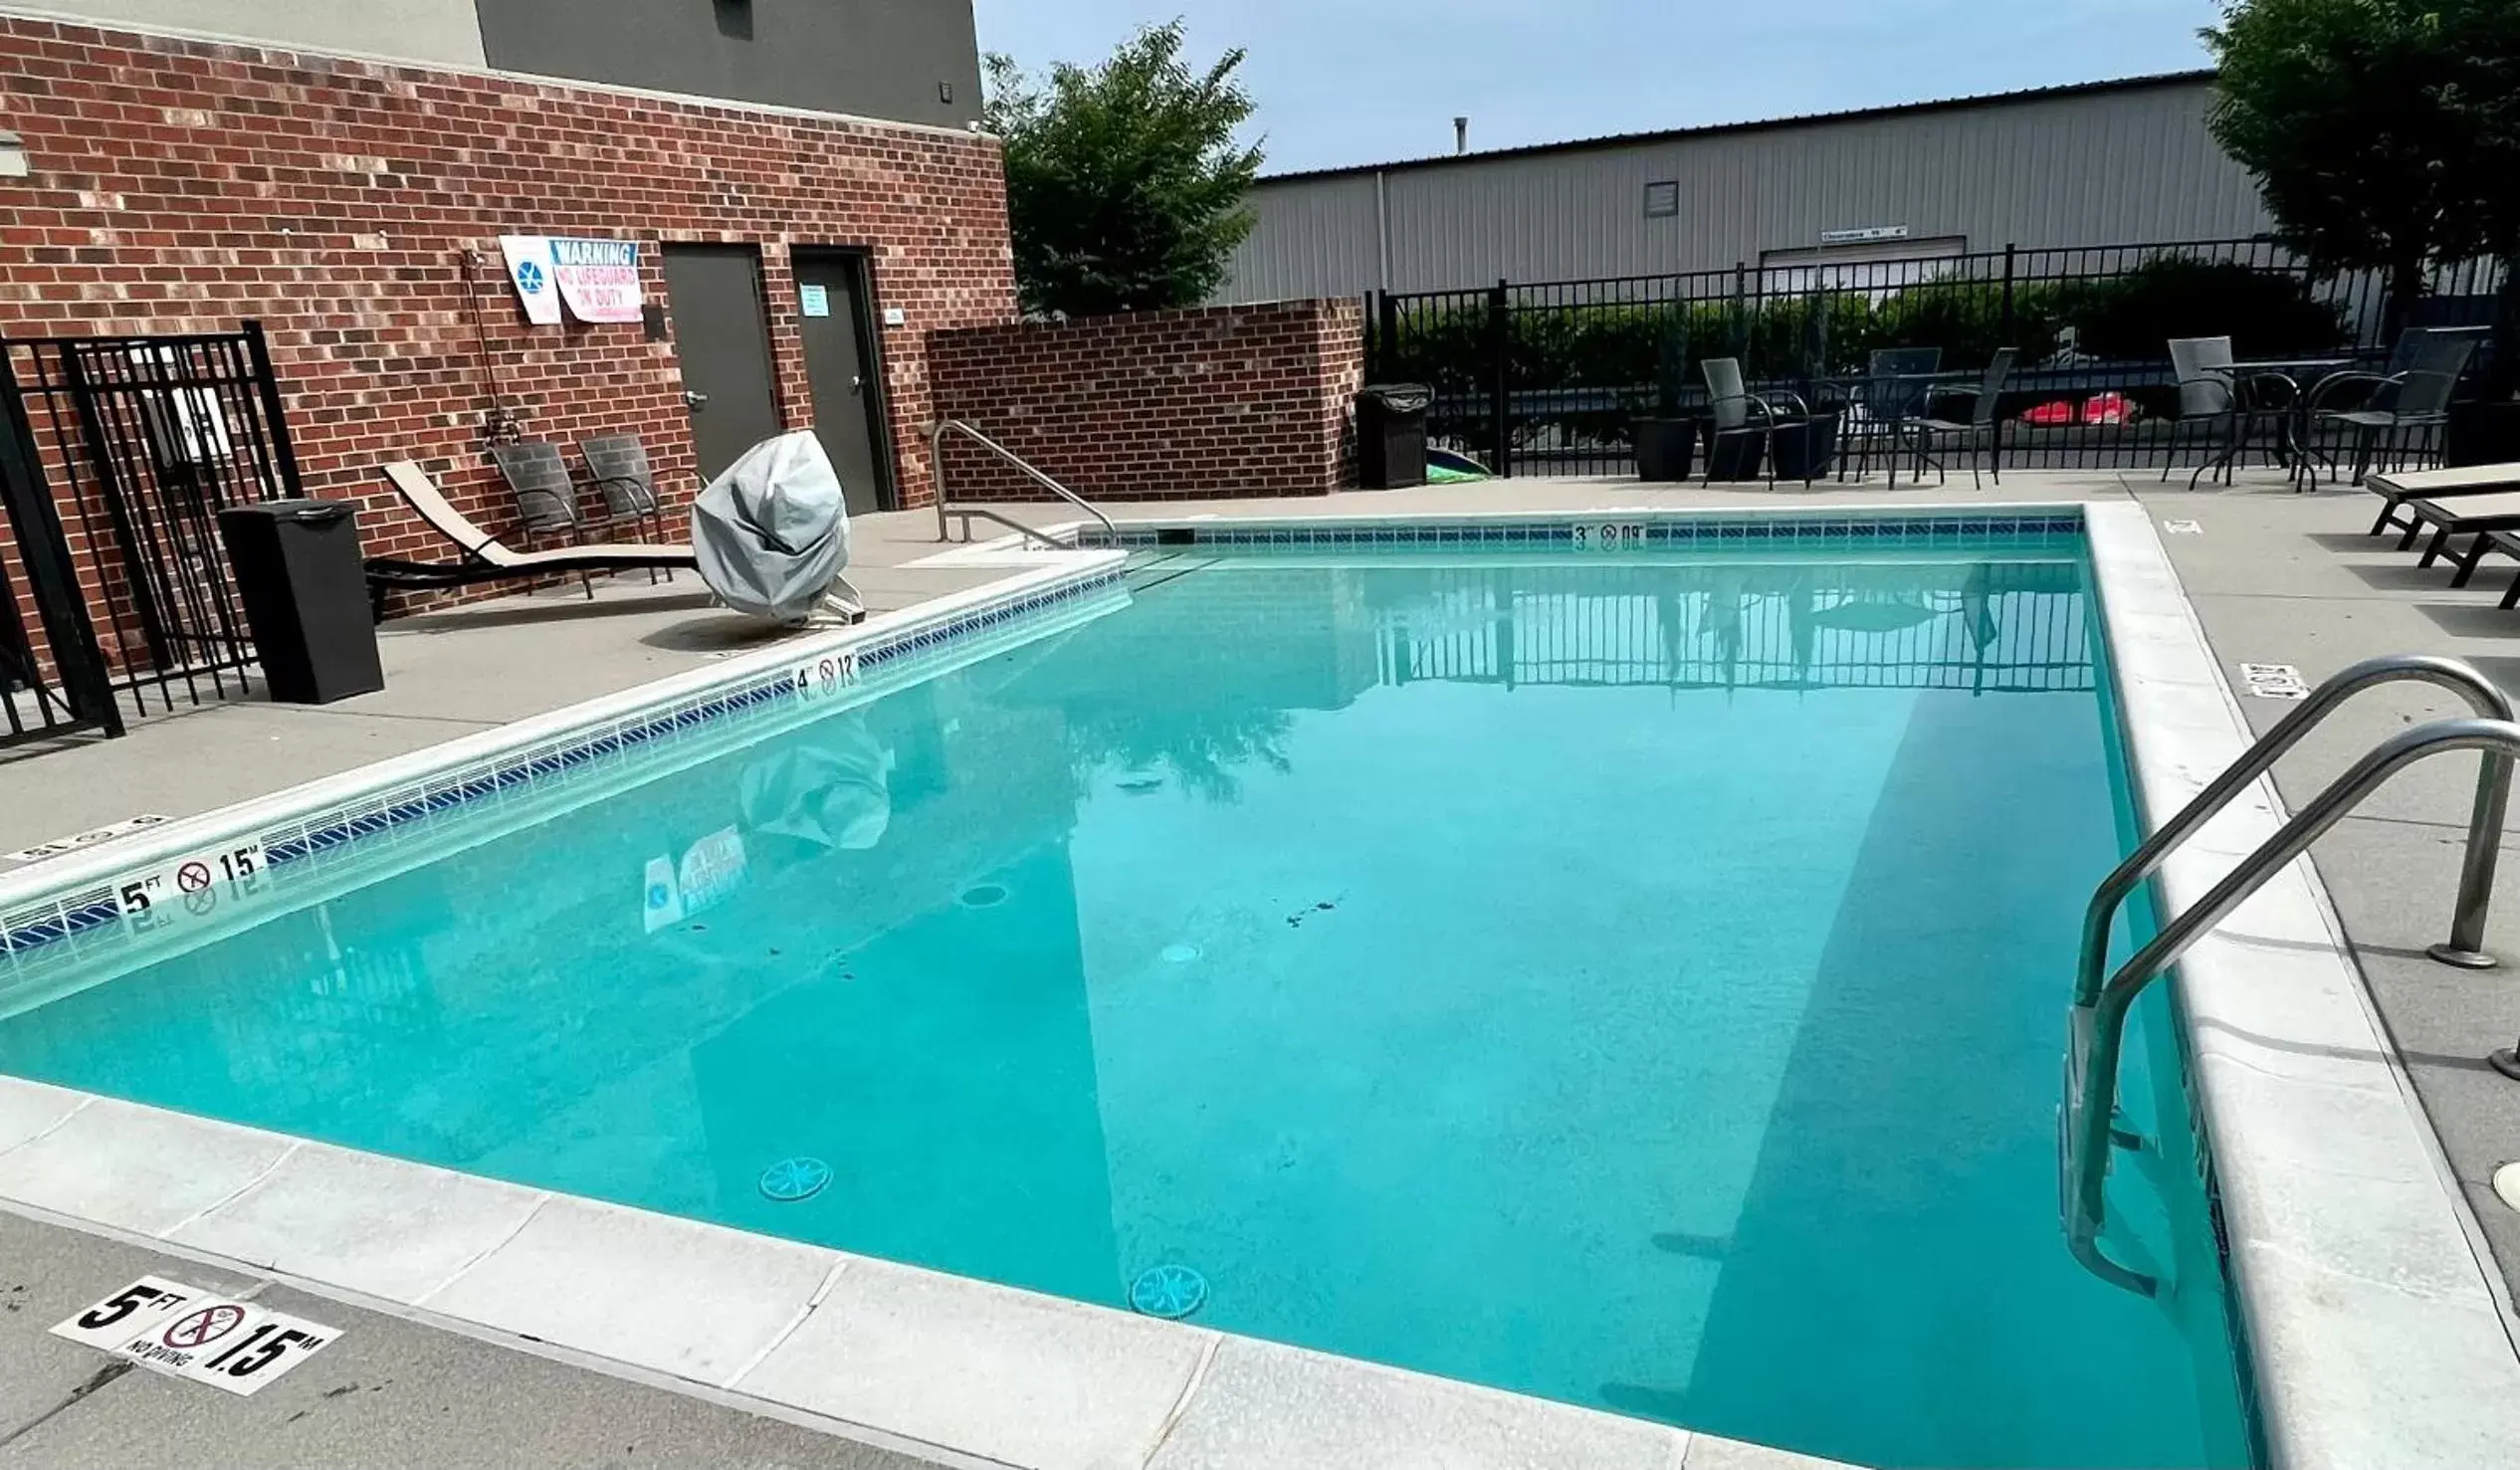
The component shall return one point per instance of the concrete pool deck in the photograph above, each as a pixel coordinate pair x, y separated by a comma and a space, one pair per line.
2274, 577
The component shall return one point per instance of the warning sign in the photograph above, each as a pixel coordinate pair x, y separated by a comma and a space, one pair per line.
236, 873
176, 1330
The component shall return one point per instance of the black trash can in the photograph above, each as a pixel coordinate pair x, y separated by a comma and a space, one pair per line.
297, 566
1391, 435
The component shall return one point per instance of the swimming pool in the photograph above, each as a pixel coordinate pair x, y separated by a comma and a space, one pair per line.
1628, 975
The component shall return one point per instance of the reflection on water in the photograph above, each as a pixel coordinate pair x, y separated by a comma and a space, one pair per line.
1632, 983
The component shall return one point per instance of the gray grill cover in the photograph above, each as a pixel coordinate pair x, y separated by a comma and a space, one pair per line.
772, 532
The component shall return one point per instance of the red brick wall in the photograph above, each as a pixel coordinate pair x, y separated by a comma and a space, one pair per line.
181, 186
1157, 405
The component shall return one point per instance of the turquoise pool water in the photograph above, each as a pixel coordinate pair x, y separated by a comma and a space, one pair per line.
1633, 980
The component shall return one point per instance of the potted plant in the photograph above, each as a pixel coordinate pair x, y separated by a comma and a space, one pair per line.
1666, 443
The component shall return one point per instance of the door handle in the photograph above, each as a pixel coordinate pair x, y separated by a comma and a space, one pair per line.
695, 400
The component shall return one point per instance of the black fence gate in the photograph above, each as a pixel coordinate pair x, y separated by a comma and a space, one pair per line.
119, 453
1548, 377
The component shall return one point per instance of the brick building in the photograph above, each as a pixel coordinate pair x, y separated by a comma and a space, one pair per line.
354, 206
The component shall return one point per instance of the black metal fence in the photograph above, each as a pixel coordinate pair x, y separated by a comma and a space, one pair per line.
1981, 627
1548, 378
121, 453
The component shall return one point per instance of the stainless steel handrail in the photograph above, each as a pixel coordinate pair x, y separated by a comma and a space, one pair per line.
936, 456
2476, 881
2097, 1023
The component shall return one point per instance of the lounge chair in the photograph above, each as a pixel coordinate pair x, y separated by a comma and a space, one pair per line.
485, 558
2478, 515
2397, 487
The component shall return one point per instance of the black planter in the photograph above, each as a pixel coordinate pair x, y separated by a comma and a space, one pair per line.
1806, 450
2482, 434
1666, 449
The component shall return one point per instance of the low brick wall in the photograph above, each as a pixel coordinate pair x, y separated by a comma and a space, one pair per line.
1158, 405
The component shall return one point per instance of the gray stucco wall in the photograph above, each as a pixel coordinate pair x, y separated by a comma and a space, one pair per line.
2124, 166
872, 58
440, 31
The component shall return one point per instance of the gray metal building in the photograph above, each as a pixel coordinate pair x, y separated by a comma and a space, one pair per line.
2108, 162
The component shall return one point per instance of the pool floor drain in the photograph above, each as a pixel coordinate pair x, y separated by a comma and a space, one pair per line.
791, 1180
983, 896
1168, 1292
1179, 953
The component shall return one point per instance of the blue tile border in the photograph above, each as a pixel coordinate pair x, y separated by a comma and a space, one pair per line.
1888, 529
294, 842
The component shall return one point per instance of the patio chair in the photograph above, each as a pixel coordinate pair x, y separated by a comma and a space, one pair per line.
1985, 423
485, 558
1741, 416
2339, 392
547, 499
1892, 397
2212, 392
618, 469
2413, 401
2397, 486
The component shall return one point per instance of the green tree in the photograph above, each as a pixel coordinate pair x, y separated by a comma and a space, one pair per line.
2384, 133
1124, 185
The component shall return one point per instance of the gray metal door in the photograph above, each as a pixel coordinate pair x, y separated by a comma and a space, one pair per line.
841, 367
723, 345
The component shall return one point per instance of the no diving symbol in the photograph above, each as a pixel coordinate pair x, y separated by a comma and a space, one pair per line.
193, 877
205, 1325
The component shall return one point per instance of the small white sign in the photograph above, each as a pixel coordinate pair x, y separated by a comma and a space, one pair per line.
142, 1306
2274, 681
1610, 535
90, 838
815, 298
2183, 527
194, 884
531, 271
173, 1328
1864, 236
896, 316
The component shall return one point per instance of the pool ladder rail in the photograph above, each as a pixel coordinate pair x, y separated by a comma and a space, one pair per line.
2087, 1123
937, 433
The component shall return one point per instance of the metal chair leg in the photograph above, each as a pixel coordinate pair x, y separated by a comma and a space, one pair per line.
2468, 564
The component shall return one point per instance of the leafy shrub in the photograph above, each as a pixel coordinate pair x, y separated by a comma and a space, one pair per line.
2263, 312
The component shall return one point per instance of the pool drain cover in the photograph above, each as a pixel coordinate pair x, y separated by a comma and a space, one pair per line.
794, 1179
1168, 1292
984, 896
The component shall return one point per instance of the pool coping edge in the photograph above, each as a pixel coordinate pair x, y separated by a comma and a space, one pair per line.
2373, 1336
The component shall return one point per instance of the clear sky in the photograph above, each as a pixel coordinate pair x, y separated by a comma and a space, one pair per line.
1370, 80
